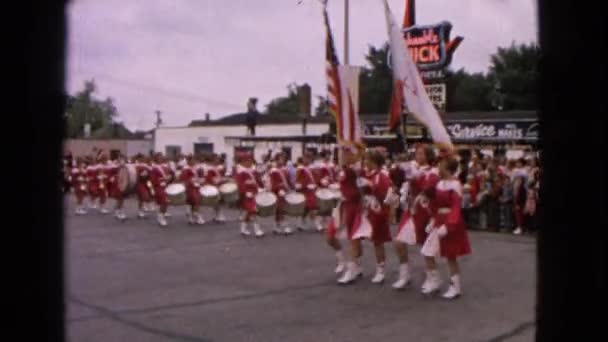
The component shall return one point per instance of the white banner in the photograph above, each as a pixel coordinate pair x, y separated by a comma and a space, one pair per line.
350, 130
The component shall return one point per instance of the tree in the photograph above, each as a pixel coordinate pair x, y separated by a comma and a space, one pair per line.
514, 74
322, 108
84, 108
376, 82
465, 92
285, 105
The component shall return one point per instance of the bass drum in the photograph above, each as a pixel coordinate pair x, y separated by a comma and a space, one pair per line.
326, 201
176, 193
210, 195
296, 204
126, 179
266, 203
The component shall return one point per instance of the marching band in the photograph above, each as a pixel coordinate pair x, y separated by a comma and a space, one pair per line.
351, 201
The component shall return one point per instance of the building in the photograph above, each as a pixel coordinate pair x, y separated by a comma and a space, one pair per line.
291, 134
113, 139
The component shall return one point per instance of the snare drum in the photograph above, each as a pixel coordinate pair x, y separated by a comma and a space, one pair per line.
176, 194
210, 195
229, 193
296, 204
326, 201
266, 203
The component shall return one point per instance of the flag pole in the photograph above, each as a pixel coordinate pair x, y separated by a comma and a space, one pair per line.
346, 32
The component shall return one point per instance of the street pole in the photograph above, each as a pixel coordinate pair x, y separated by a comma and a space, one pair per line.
346, 33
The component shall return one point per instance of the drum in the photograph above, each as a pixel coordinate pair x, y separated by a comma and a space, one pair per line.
176, 193
210, 195
266, 203
126, 179
326, 201
335, 189
229, 193
296, 204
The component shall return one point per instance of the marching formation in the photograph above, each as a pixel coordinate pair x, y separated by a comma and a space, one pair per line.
353, 201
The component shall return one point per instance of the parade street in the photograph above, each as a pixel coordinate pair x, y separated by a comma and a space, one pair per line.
134, 281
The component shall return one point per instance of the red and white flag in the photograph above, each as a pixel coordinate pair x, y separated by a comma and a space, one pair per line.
406, 73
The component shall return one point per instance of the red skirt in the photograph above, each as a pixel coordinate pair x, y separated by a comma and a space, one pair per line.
248, 204
380, 222
456, 242
193, 196
160, 196
349, 212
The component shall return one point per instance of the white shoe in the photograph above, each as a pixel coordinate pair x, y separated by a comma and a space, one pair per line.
404, 277
453, 291
145, 209
517, 231
379, 276
199, 220
80, 211
340, 267
122, 216
220, 217
277, 230
244, 230
318, 224
168, 214
104, 211
353, 271
288, 231
257, 230
141, 214
162, 221
433, 284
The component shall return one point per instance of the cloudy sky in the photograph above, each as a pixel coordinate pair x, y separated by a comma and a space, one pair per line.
190, 57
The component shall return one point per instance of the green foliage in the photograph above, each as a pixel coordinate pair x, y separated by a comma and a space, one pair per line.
84, 108
514, 70
284, 105
375, 82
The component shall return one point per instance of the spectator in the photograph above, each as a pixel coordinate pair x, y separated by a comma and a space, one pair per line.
506, 204
519, 201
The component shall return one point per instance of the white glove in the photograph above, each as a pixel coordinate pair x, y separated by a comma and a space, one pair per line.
298, 186
249, 195
310, 186
324, 182
429, 227
281, 193
442, 231
260, 189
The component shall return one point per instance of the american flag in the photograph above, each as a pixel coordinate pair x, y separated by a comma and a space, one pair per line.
334, 88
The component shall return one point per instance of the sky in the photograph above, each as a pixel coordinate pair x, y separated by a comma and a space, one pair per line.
191, 57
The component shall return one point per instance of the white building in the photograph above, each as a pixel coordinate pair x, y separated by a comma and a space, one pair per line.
226, 135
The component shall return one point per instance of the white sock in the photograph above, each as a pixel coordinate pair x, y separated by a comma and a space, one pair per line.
340, 256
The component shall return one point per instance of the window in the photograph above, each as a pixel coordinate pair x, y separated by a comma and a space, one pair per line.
172, 151
203, 148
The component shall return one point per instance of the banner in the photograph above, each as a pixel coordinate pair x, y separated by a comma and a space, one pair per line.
351, 125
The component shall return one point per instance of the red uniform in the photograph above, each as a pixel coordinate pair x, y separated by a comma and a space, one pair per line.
93, 184
446, 206
279, 185
159, 178
144, 186
305, 183
212, 175
79, 181
324, 175
350, 205
421, 187
248, 181
379, 215
111, 172
189, 177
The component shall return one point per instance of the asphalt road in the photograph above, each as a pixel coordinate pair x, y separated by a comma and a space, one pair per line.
134, 281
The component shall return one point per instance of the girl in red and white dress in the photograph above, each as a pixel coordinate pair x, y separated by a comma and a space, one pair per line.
213, 176
447, 234
375, 187
248, 181
111, 170
189, 176
306, 184
143, 187
324, 176
78, 176
160, 178
344, 218
93, 190
421, 178
278, 177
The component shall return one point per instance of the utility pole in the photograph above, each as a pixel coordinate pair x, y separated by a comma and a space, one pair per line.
346, 32
159, 121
